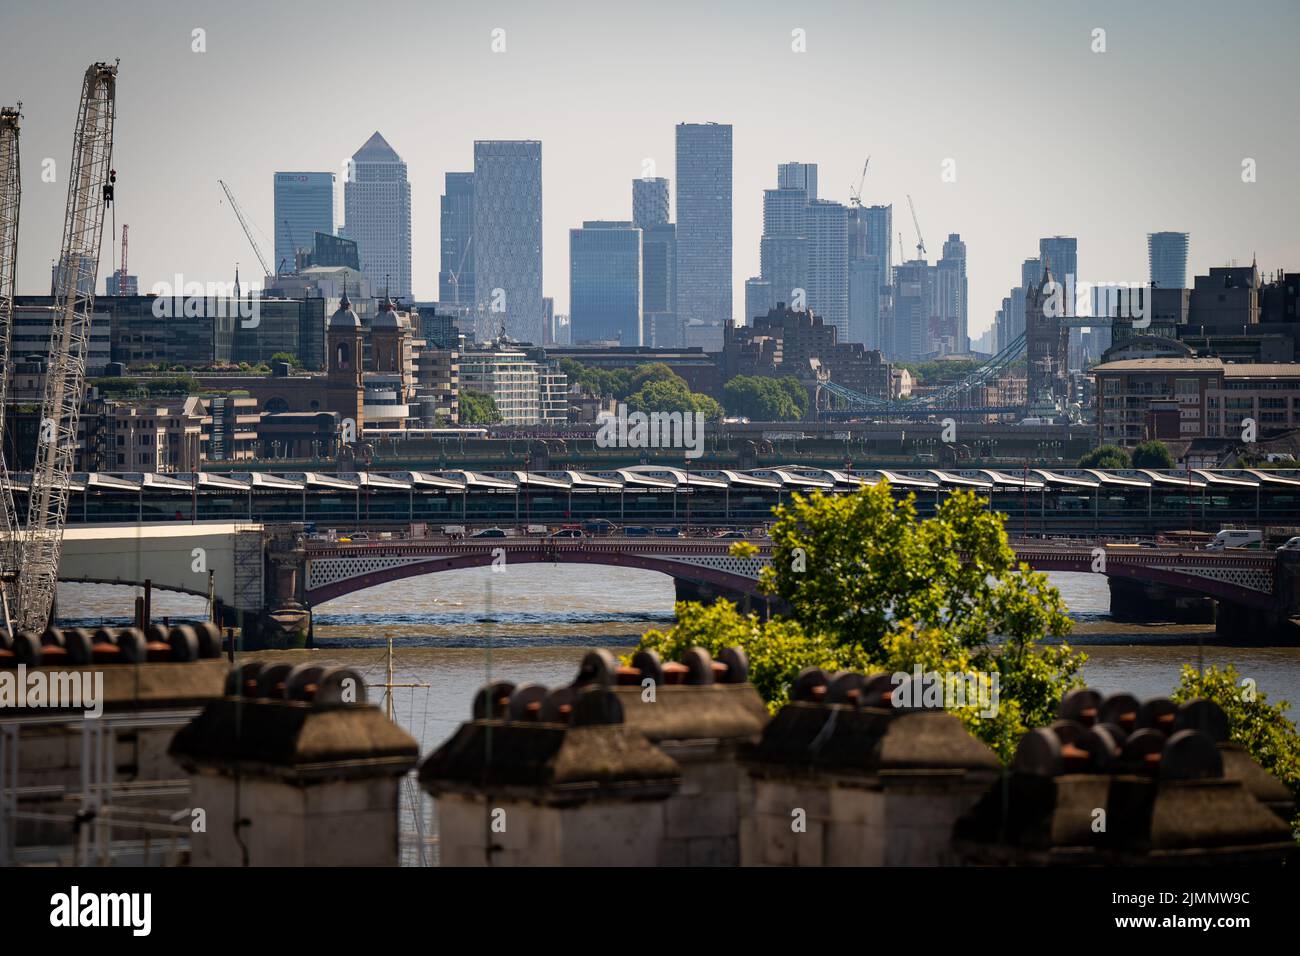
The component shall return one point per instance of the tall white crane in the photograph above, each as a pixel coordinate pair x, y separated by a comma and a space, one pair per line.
920, 243
455, 276
90, 192
10, 201
239, 214
855, 195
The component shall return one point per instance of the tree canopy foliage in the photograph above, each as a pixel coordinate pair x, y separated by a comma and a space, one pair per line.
652, 387
1262, 728
870, 588
1152, 454
478, 408
1106, 456
761, 398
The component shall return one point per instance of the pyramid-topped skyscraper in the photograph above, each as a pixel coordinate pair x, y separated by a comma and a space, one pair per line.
377, 215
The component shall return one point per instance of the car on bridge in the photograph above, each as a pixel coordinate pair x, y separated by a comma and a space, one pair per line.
668, 532
568, 533
1291, 544
636, 532
599, 526
490, 533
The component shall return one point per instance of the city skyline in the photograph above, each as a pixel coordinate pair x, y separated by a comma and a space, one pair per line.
1108, 191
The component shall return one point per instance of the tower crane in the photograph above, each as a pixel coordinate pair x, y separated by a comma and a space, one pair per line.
239, 214
920, 243
855, 195
90, 192
455, 276
10, 201
121, 274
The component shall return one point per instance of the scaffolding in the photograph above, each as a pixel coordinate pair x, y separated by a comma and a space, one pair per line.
108, 821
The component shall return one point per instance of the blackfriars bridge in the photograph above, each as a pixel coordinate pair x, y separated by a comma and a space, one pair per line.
268, 578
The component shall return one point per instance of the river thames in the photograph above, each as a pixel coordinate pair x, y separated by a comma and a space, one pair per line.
533, 623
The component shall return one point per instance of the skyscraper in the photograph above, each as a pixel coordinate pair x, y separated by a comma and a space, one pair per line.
605, 283
870, 269
304, 206
377, 215
1167, 254
456, 240
659, 324
508, 235
798, 176
649, 202
703, 231
951, 291
783, 248
758, 298
914, 305
1062, 252
828, 263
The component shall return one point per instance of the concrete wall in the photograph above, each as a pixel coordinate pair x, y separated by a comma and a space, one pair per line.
161, 552
603, 833
331, 823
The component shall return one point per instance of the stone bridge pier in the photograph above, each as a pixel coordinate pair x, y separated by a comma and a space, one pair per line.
286, 619
1150, 601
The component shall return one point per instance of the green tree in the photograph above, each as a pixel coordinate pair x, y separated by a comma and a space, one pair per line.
477, 408
798, 394
293, 360
672, 395
853, 565
652, 372
1262, 728
1105, 456
927, 373
1152, 454
871, 588
762, 399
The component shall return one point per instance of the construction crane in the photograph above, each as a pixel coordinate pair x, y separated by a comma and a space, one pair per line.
455, 276
239, 214
920, 243
10, 201
90, 192
855, 195
121, 272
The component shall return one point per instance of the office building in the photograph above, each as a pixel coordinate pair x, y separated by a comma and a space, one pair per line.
527, 391
377, 216
508, 236
870, 269
952, 296
704, 239
605, 283
1167, 256
660, 326
118, 284
456, 240
828, 263
304, 206
802, 176
649, 202
758, 298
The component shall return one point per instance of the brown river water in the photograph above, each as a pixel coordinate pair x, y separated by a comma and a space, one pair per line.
453, 630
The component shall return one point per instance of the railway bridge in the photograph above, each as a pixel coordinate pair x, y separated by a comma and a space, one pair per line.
267, 579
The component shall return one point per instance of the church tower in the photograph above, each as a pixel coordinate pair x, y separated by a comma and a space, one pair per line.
344, 392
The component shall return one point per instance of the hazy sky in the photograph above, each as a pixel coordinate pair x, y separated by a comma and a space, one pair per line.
1048, 137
